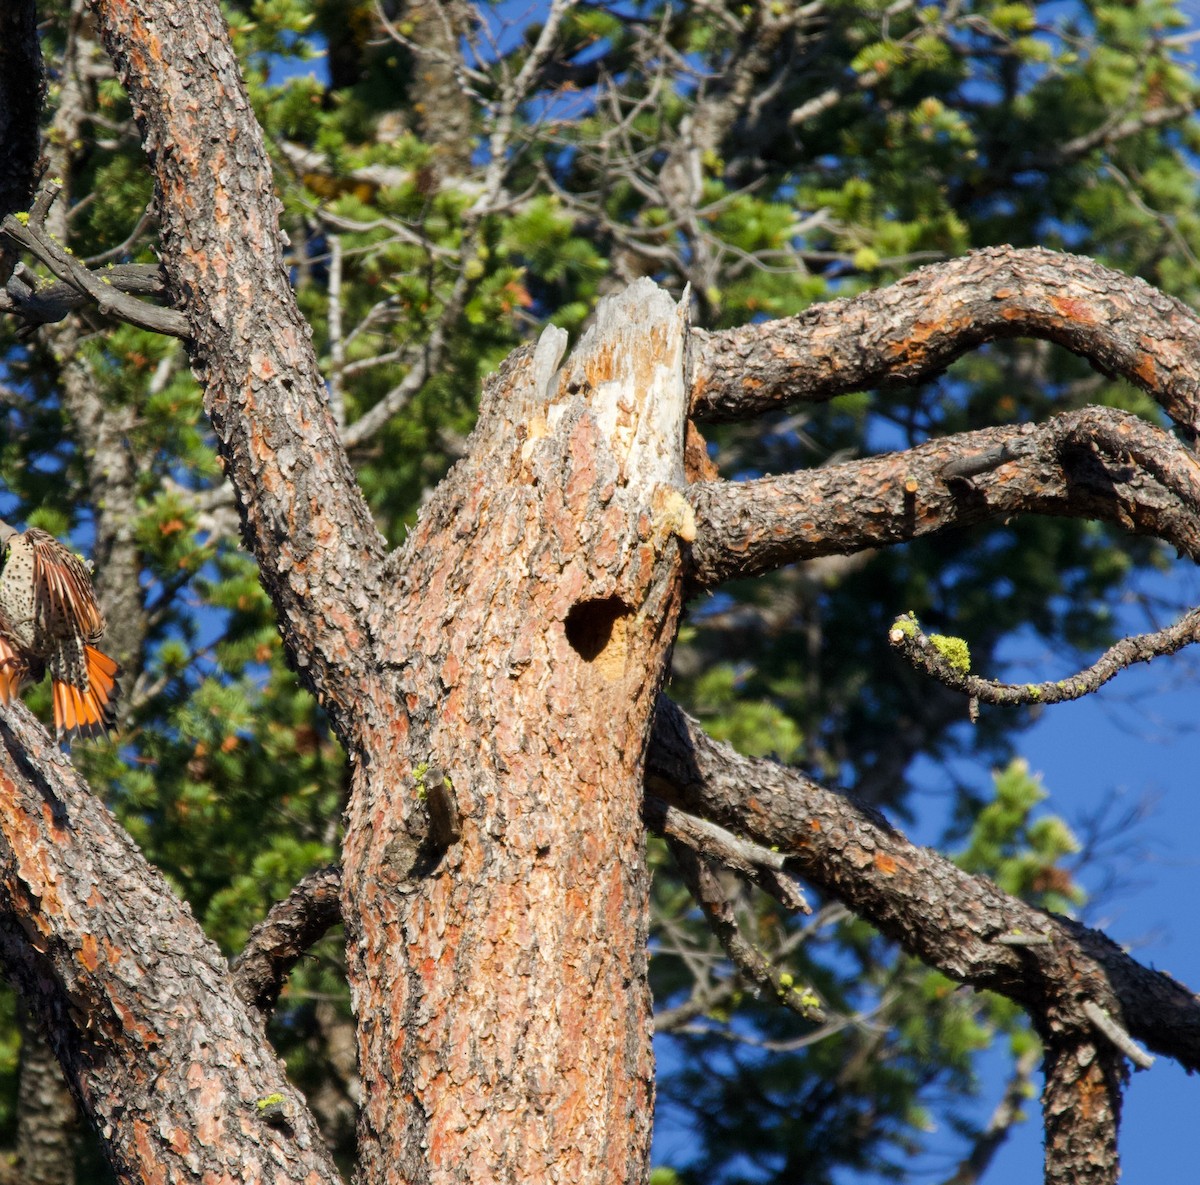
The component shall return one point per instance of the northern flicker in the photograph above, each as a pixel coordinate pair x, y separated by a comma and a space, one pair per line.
49, 620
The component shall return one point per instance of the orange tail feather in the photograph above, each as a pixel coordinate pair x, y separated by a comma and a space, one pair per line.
58, 699
102, 672
88, 713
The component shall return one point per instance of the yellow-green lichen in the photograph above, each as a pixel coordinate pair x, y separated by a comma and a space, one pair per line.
954, 651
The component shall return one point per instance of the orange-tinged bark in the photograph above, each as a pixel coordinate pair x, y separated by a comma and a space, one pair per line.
503, 981
137, 1003
494, 682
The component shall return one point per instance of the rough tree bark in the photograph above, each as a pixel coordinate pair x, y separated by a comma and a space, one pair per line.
529, 628
495, 683
165, 1059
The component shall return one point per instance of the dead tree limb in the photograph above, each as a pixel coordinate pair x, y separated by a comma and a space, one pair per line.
1131, 473
912, 330
281, 939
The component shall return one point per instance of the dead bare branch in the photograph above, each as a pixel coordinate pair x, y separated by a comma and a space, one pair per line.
1094, 463
757, 864
708, 839
912, 330
931, 654
705, 886
109, 298
1117, 1035
281, 939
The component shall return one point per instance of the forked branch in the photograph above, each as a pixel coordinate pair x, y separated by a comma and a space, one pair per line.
955, 922
704, 884
111, 291
1095, 463
947, 918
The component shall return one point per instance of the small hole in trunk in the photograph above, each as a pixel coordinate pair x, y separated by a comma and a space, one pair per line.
590, 625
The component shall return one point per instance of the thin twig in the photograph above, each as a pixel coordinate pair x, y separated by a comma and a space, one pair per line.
705, 887
946, 660
337, 344
742, 855
1109, 1028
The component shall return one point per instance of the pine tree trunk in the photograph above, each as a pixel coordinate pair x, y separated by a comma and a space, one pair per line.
500, 978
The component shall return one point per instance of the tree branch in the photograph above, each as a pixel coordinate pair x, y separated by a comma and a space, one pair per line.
281, 939
912, 330
1112, 131
705, 887
956, 923
303, 515
924, 651
108, 298
945, 917
1117, 1036
757, 864
709, 839
137, 1001
52, 302
1095, 463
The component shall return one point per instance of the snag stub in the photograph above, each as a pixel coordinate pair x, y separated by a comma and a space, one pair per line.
50, 621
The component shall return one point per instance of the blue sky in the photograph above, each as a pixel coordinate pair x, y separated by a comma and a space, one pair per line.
1138, 737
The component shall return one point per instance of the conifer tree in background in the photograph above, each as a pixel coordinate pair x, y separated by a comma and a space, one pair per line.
454, 178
